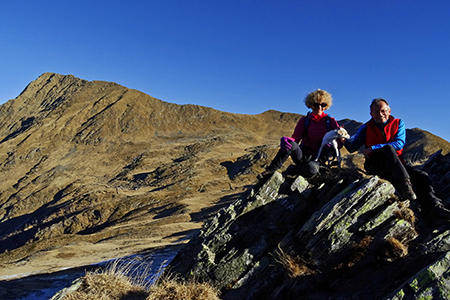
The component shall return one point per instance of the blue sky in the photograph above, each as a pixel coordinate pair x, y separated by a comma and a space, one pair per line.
242, 56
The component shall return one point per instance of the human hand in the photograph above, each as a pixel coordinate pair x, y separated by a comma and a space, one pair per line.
285, 143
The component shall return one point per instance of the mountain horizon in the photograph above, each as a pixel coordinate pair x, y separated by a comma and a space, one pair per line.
92, 170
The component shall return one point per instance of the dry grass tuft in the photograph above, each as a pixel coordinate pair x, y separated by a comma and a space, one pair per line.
173, 289
393, 249
117, 281
296, 266
107, 287
359, 250
404, 213
122, 280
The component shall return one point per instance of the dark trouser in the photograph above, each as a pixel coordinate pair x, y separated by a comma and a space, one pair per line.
295, 153
299, 156
385, 163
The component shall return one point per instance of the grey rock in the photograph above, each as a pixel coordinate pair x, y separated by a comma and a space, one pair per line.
346, 235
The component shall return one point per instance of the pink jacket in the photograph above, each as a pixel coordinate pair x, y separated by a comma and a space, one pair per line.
311, 140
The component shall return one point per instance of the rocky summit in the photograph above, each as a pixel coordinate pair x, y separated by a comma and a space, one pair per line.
92, 170
339, 235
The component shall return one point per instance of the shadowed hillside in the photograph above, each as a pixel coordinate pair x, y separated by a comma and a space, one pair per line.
99, 170
93, 170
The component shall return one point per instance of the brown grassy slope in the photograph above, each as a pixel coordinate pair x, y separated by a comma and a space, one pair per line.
97, 163
421, 144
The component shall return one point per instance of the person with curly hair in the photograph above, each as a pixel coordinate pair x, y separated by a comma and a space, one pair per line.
306, 139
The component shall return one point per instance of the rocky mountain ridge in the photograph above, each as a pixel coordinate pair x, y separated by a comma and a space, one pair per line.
340, 235
93, 170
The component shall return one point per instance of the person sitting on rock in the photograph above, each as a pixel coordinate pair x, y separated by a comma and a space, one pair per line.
305, 142
384, 138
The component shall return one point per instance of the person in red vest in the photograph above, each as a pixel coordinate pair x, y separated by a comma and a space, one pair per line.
383, 138
306, 139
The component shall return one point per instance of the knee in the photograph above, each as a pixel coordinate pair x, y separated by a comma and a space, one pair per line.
294, 147
389, 150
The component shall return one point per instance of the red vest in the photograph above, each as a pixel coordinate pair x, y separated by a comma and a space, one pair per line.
376, 136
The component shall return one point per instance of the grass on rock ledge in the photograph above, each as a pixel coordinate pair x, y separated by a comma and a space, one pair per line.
119, 282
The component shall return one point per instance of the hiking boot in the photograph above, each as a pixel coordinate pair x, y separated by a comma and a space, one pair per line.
305, 170
406, 190
264, 176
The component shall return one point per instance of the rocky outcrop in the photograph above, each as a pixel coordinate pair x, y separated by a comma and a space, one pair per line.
339, 235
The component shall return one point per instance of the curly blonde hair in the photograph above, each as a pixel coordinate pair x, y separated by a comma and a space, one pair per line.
318, 96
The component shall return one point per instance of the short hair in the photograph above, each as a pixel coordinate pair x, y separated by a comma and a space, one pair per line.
318, 96
377, 101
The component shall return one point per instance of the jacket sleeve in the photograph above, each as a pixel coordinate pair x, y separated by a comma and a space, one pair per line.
333, 125
399, 139
356, 141
298, 131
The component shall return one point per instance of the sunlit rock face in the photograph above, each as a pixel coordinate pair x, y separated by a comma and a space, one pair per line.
340, 235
